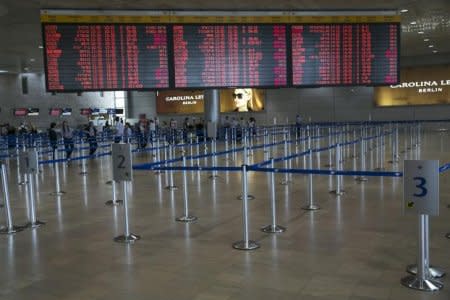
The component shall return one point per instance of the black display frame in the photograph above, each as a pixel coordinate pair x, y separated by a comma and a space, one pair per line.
353, 84
171, 61
169, 55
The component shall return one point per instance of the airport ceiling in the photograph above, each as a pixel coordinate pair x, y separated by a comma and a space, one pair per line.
425, 26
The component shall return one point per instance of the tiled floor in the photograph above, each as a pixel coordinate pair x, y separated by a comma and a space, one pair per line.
355, 247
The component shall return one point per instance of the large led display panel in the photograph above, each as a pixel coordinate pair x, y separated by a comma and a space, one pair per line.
345, 54
98, 57
229, 56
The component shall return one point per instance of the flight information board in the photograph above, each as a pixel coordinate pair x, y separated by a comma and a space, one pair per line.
345, 54
96, 57
229, 56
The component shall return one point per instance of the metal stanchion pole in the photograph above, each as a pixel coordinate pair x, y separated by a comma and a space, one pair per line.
435, 272
245, 244
362, 157
423, 280
114, 201
214, 174
310, 205
286, 180
338, 191
273, 228
127, 237
171, 185
33, 222
248, 196
185, 217
58, 191
10, 227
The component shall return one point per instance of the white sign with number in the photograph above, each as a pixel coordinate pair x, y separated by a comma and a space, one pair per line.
421, 187
121, 160
28, 162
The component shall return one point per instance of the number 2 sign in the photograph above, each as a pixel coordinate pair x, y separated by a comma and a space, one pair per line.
121, 160
421, 187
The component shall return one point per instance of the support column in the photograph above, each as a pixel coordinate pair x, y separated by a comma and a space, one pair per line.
212, 105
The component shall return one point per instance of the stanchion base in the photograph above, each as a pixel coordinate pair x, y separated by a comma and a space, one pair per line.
379, 169
273, 229
426, 285
60, 193
14, 229
35, 224
311, 207
337, 193
127, 239
434, 272
361, 178
243, 245
249, 197
114, 203
186, 219
213, 177
109, 182
285, 182
171, 187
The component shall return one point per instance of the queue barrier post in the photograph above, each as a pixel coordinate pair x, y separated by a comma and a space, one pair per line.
10, 227
30, 162
310, 206
245, 243
338, 191
247, 195
122, 172
286, 180
362, 158
273, 227
186, 217
58, 191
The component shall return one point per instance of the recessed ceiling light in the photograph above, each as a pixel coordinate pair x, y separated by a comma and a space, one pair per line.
413, 23
426, 40
41, 47
32, 59
435, 51
3, 71
26, 69
420, 32
430, 46
403, 10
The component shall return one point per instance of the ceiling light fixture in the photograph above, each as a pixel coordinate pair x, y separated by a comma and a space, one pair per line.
420, 32
413, 23
403, 10
32, 59
426, 40
3, 71
41, 47
430, 46
435, 51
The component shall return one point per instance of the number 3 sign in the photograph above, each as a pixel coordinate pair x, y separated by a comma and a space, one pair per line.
121, 160
421, 187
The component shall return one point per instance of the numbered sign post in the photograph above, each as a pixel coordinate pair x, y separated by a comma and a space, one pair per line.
30, 166
123, 172
421, 197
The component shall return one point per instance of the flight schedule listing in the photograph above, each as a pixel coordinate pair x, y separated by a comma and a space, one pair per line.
229, 55
345, 54
95, 57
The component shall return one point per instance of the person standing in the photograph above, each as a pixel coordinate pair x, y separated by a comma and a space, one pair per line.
91, 133
53, 138
118, 135
67, 134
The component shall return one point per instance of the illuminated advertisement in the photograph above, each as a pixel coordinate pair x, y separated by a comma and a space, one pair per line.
418, 86
179, 102
191, 101
241, 100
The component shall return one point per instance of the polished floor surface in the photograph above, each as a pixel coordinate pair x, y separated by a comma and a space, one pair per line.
356, 247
